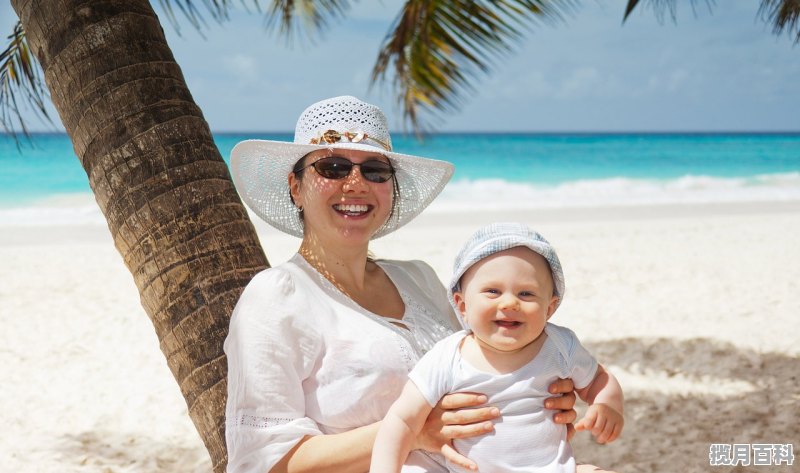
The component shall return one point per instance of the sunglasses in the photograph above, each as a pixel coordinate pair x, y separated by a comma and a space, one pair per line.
336, 167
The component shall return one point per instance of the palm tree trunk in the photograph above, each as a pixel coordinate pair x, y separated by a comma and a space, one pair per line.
158, 178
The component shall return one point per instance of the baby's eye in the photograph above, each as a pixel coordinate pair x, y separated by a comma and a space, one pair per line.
491, 291
527, 294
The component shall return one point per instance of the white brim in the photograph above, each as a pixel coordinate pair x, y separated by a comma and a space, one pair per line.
260, 170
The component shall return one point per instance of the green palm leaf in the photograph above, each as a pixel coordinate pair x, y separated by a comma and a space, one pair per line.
306, 16
287, 16
435, 49
782, 14
20, 75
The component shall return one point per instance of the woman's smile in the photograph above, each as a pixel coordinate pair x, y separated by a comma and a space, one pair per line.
353, 210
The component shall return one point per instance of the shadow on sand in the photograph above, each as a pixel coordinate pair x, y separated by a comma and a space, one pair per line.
115, 452
670, 426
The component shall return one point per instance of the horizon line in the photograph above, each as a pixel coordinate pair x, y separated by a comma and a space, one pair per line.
493, 132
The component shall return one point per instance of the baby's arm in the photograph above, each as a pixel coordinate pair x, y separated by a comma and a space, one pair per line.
604, 415
398, 430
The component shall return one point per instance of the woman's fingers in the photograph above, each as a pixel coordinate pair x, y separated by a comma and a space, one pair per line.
565, 402
470, 416
455, 416
454, 457
469, 430
570, 432
565, 417
561, 386
461, 400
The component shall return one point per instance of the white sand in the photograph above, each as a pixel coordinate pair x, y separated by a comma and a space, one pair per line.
695, 309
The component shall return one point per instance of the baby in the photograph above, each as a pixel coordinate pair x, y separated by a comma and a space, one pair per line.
507, 283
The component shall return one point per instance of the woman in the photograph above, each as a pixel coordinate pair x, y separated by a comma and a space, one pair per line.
319, 347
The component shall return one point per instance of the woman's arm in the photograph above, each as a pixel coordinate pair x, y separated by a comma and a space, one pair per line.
456, 416
342, 453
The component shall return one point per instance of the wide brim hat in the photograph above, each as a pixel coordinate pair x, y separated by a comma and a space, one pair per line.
498, 237
260, 168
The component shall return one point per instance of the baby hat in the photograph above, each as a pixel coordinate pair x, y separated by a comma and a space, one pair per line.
498, 237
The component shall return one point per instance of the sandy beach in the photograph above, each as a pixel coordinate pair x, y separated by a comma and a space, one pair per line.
695, 308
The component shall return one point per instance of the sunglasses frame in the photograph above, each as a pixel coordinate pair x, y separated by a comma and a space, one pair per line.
349, 171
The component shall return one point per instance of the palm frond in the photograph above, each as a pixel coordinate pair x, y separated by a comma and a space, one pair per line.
437, 49
21, 76
290, 17
218, 9
662, 7
783, 14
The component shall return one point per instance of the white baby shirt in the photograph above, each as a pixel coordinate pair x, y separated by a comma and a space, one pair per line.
304, 359
525, 437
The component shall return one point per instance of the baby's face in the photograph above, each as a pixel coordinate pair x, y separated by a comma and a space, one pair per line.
507, 298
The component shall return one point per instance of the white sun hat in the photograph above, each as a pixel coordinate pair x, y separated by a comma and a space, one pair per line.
260, 168
498, 237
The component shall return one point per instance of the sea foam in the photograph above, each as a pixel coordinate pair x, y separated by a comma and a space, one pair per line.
58, 210
493, 194
498, 193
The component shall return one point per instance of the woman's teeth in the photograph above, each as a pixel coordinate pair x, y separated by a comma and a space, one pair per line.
351, 209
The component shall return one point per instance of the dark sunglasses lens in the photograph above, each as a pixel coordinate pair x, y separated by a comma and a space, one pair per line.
333, 168
376, 171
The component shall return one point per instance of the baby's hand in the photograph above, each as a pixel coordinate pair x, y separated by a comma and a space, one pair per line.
604, 422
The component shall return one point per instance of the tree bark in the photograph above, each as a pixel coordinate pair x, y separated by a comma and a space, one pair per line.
160, 181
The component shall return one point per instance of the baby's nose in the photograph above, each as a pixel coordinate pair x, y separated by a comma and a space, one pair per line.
509, 302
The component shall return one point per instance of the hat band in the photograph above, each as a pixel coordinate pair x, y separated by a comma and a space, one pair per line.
358, 136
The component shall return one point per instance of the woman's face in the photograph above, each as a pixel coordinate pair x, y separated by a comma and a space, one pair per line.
351, 209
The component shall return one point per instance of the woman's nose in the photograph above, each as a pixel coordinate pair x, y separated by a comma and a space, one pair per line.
354, 182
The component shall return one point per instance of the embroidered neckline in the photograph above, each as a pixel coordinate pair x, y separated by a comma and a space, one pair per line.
413, 314
331, 287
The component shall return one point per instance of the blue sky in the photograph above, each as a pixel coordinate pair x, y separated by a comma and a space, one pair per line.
718, 70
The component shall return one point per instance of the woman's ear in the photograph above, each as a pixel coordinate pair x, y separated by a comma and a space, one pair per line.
294, 189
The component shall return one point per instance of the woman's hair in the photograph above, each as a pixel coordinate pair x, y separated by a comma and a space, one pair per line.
299, 167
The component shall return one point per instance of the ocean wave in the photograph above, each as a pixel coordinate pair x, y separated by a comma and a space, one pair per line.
494, 193
56, 210
483, 194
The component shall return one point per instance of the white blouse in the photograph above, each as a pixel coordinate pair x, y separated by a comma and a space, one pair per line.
305, 359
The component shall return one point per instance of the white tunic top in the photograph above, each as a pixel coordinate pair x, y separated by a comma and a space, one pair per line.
305, 359
525, 437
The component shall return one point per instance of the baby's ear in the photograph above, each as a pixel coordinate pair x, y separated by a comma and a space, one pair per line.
460, 305
551, 309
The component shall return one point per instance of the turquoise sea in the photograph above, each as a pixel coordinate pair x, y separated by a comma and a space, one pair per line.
42, 180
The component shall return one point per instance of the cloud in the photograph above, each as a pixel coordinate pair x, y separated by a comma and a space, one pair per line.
582, 82
242, 66
667, 81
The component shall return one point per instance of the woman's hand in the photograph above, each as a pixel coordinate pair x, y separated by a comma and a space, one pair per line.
455, 417
564, 402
